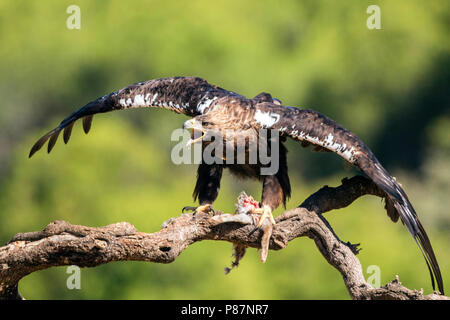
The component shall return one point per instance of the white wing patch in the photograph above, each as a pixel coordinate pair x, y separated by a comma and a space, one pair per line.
151, 100
348, 153
203, 104
266, 119
139, 100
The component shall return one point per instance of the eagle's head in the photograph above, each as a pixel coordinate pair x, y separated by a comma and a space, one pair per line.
206, 130
202, 131
197, 130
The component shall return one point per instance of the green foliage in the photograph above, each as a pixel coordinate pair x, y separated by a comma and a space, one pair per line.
388, 86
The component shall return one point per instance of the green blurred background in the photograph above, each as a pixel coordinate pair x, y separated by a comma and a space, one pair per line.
389, 86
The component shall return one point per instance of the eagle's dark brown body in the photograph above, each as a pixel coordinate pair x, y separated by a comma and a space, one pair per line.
231, 117
276, 188
224, 111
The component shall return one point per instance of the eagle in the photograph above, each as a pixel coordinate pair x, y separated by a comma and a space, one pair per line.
214, 109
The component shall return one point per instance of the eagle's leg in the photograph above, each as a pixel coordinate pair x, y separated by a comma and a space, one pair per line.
276, 188
272, 197
207, 187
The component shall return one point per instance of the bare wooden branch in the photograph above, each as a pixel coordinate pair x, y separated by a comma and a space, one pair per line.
62, 243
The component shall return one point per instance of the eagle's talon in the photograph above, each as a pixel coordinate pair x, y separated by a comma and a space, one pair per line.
207, 208
266, 213
188, 208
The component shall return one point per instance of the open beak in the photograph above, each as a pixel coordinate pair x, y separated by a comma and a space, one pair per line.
196, 129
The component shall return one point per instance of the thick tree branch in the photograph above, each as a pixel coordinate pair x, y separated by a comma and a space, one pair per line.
61, 243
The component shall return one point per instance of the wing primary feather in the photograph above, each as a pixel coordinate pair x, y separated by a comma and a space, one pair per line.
430, 258
87, 122
68, 132
399, 200
53, 139
38, 145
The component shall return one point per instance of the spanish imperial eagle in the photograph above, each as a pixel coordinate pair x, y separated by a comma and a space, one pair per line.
220, 110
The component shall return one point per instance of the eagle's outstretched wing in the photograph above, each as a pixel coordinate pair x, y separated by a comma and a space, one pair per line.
186, 95
311, 127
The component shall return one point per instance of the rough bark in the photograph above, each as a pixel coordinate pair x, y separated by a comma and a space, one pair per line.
62, 243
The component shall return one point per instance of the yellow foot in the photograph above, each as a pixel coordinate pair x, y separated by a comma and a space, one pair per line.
266, 213
206, 208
